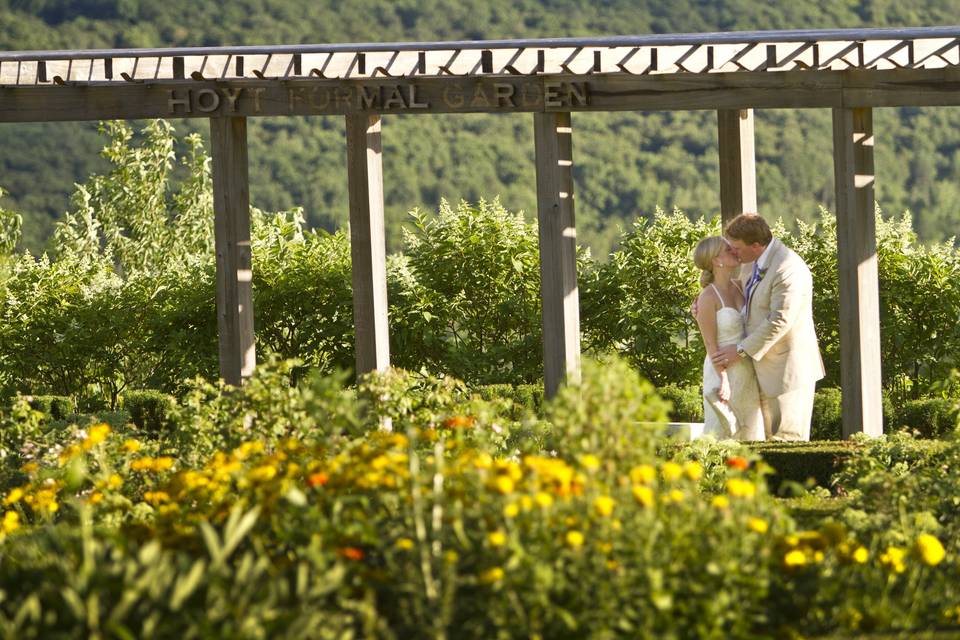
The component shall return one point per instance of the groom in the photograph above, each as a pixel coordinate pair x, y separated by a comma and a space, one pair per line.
780, 338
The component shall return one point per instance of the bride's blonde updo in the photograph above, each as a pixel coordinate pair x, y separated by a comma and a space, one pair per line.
707, 249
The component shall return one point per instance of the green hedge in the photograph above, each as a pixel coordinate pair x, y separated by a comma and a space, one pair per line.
526, 398
149, 409
687, 402
55, 407
803, 462
930, 417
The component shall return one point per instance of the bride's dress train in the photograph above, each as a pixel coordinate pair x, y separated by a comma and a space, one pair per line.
740, 417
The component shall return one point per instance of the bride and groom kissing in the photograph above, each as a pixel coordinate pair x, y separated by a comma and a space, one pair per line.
755, 314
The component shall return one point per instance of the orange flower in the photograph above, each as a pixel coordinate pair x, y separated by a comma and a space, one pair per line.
318, 479
458, 422
738, 463
350, 553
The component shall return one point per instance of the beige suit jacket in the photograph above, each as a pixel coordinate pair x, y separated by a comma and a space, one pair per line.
780, 334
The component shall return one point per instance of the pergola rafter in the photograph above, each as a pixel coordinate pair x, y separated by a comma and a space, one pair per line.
848, 71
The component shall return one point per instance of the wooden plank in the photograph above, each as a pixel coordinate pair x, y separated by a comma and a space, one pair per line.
738, 173
594, 92
367, 242
558, 249
862, 408
231, 206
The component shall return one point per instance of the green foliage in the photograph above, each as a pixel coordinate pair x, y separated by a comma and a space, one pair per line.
826, 422
149, 410
478, 265
603, 414
928, 417
638, 304
687, 402
54, 407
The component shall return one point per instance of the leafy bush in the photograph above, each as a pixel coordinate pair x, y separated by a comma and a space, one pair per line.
687, 402
826, 423
638, 303
56, 407
929, 417
149, 410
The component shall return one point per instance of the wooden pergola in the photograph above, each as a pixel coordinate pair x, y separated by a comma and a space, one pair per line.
848, 71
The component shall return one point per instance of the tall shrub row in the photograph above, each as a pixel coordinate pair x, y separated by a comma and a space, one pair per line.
128, 299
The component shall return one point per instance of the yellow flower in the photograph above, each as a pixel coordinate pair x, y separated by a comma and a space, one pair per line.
543, 499
893, 558
741, 488
483, 461
720, 502
130, 446
860, 555
114, 481
156, 497
671, 471
693, 469
492, 575
604, 505
675, 495
795, 558
590, 462
14, 496
759, 525
497, 538
95, 498
263, 473
69, 453
30, 467
575, 539
247, 449
643, 495
98, 433
504, 484
929, 549
526, 503
511, 510
643, 474
405, 544
11, 521
163, 463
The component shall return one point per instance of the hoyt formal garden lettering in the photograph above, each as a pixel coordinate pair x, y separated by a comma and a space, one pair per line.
380, 97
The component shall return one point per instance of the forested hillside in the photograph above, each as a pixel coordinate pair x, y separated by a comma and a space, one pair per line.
627, 164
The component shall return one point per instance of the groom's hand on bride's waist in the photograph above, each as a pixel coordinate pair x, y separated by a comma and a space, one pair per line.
725, 356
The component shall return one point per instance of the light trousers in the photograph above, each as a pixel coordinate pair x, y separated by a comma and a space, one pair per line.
787, 416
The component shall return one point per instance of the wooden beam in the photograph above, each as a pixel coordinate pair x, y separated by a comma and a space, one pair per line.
231, 206
738, 173
558, 250
367, 242
503, 94
862, 408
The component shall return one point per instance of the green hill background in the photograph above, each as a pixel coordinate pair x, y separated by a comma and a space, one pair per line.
627, 164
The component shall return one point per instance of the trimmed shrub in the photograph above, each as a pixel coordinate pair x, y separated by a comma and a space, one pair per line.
687, 402
55, 407
148, 409
827, 422
803, 462
930, 417
530, 397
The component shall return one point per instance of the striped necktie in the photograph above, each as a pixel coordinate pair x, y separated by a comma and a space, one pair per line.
752, 282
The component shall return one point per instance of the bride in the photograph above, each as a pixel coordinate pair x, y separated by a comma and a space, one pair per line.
731, 398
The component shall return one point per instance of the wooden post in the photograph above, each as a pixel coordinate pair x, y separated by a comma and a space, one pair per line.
367, 242
558, 250
738, 174
859, 290
231, 206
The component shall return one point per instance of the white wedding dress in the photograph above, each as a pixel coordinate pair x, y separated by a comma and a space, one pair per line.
740, 417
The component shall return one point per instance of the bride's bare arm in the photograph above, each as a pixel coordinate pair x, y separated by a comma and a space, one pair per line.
707, 306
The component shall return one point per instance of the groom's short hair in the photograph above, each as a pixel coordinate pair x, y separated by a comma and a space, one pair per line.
749, 228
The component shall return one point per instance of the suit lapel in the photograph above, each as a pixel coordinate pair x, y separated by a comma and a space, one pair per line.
773, 260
